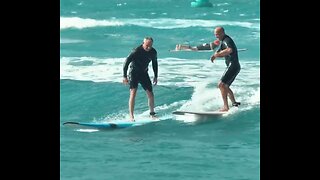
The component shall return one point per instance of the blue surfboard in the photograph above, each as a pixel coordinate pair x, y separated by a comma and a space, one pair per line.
108, 125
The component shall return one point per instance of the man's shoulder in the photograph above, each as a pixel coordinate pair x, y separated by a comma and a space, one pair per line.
154, 50
227, 38
136, 49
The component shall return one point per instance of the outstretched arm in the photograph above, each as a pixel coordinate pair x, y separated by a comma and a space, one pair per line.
223, 53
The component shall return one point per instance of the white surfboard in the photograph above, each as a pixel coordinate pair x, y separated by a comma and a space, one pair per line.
190, 50
200, 113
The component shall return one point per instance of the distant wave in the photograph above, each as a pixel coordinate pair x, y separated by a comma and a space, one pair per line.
68, 41
110, 70
160, 23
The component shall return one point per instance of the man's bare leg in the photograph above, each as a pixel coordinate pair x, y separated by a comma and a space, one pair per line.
151, 102
224, 92
230, 94
133, 93
232, 98
184, 47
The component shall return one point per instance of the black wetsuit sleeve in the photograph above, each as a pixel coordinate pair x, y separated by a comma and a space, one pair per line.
155, 65
127, 62
228, 43
224, 45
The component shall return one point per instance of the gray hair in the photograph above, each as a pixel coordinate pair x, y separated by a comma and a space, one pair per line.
148, 38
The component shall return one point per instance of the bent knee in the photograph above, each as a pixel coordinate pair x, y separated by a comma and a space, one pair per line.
222, 85
149, 93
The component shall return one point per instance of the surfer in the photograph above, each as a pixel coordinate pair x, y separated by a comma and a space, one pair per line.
140, 58
228, 50
204, 46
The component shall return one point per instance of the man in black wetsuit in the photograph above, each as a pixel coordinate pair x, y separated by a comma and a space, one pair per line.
140, 58
229, 51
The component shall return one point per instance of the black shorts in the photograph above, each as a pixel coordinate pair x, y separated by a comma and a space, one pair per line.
230, 74
142, 78
205, 46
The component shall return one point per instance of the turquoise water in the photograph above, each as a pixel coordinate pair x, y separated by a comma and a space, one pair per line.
95, 38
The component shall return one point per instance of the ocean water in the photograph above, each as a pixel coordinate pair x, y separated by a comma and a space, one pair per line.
95, 38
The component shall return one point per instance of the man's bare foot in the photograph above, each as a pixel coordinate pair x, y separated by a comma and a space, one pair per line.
132, 119
178, 47
224, 110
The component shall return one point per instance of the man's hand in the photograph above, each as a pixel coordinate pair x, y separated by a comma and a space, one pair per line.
213, 57
155, 81
216, 42
125, 80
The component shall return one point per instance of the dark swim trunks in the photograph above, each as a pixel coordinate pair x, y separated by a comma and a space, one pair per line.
142, 78
204, 46
230, 74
